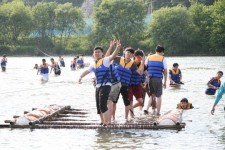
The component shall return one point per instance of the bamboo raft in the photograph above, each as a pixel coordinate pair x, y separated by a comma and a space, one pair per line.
67, 118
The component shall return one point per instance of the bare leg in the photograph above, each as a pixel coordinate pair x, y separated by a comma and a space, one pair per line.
149, 103
110, 113
114, 111
158, 104
127, 109
101, 117
139, 103
131, 109
105, 117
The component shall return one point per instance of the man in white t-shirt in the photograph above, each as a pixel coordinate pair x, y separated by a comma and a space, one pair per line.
103, 80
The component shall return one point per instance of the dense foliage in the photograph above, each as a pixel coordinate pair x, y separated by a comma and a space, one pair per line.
183, 27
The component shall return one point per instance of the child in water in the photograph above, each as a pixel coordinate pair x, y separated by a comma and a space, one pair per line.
184, 104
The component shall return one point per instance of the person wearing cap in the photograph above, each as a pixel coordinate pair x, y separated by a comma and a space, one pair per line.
44, 71
103, 80
220, 93
3, 63
157, 70
122, 69
214, 84
55, 67
184, 104
175, 75
136, 82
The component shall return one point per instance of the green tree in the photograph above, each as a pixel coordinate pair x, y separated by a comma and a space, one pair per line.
201, 15
44, 20
172, 28
118, 19
217, 39
15, 22
69, 20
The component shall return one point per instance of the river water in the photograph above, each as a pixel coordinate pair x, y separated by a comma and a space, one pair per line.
22, 90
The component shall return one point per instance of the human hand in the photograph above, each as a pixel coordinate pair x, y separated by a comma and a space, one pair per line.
213, 110
112, 43
118, 44
164, 85
79, 81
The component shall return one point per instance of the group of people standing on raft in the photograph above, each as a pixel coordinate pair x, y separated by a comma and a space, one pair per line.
126, 75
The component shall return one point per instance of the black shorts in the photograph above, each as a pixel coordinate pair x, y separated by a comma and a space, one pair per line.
101, 96
124, 90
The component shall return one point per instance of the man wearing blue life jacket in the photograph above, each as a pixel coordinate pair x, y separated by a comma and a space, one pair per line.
103, 80
44, 70
3, 62
220, 93
175, 75
55, 67
157, 70
80, 62
214, 84
137, 82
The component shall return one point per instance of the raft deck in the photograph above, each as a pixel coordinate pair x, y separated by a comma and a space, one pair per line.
67, 118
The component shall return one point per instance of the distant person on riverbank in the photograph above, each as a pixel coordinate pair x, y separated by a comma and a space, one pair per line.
175, 75
157, 71
3, 63
55, 67
184, 104
220, 93
214, 84
61, 61
44, 71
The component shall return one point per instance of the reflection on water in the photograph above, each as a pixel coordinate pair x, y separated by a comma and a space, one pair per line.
21, 90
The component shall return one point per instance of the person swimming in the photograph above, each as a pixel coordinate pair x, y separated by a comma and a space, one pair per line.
184, 104
35, 66
214, 84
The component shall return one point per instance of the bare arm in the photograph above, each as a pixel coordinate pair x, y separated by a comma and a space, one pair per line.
165, 77
116, 51
112, 43
83, 75
141, 68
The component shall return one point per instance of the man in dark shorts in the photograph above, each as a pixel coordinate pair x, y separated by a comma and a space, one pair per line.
103, 80
157, 70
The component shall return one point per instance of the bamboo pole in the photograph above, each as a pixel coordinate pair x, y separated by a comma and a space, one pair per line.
67, 119
152, 127
73, 112
70, 115
88, 123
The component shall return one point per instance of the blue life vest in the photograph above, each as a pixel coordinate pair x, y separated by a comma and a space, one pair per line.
136, 78
80, 61
155, 66
3, 63
175, 75
56, 68
215, 83
114, 75
124, 71
44, 69
73, 65
101, 72
62, 63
